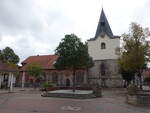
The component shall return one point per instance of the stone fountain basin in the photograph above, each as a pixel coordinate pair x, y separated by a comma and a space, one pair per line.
141, 98
81, 94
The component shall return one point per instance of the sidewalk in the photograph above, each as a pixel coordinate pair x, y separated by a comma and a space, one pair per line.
17, 90
4, 91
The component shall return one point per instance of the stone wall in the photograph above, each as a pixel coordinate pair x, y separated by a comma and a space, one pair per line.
139, 99
108, 75
95, 51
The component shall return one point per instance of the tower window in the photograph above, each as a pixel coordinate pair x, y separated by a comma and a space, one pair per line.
102, 23
103, 45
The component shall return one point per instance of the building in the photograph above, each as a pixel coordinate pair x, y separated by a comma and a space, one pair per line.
62, 78
102, 48
7, 75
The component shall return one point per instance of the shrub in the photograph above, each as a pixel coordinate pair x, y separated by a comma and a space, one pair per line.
47, 85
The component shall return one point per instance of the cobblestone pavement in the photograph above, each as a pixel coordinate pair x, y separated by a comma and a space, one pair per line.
113, 101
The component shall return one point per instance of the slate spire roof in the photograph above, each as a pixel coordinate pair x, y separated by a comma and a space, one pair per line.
103, 26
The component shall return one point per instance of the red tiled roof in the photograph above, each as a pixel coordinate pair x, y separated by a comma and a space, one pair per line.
6, 68
46, 61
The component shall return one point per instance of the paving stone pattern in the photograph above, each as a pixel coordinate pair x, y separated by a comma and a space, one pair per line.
113, 101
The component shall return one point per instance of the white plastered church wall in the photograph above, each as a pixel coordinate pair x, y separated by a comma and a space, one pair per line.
95, 51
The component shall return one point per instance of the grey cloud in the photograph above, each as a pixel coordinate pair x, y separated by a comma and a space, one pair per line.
141, 14
30, 26
36, 30
0, 37
19, 15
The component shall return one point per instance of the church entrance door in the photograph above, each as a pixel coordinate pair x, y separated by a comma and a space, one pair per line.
103, 75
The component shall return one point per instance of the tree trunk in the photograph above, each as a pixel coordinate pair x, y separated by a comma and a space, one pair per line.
125, 84
128, 83
140, 81
74, 87
87, 72
134, 79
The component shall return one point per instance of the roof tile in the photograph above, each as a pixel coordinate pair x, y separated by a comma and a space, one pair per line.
46, 61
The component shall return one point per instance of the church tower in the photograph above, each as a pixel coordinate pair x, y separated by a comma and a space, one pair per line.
102, 48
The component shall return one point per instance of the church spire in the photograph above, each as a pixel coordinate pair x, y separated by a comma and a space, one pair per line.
103, 26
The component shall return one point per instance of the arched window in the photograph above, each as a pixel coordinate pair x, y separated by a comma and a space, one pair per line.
103, 69
103, 45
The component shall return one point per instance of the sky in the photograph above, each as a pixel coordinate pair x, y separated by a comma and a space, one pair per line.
35, 27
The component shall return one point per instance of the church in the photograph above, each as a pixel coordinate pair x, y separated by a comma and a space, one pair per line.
102, 48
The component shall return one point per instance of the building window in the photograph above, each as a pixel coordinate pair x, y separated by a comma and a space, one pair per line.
103, 45
54, 77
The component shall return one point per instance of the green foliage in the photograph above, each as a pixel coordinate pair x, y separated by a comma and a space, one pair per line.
15, 67
1, 55
47, 85
34, 70
73, 54
7, 55
135, 53
127, 75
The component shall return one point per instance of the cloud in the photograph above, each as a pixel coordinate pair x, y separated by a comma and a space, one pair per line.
30, 29
34, 27
0, 37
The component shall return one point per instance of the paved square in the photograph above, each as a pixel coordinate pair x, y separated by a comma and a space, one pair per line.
113, 101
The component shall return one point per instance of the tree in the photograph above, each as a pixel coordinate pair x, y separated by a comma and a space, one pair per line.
7, 55
89, 61
35, 70
73, 55
128, 76
135, 53
1, 56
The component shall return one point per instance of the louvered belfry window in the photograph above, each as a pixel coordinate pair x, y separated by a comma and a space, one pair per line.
103, 45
